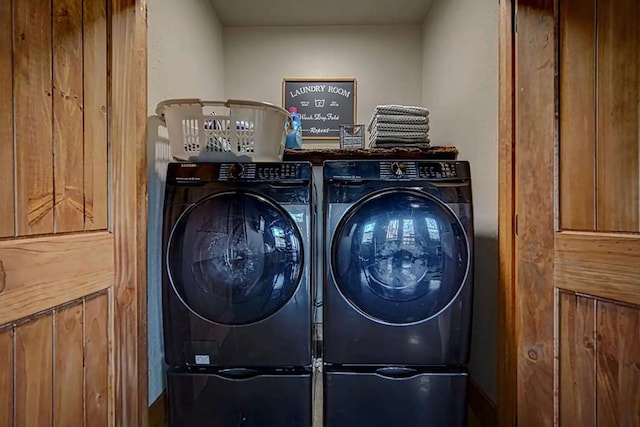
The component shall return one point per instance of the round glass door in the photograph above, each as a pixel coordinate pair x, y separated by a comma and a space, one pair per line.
235, 258
400, 256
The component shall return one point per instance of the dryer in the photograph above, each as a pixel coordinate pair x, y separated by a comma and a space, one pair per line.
397, 291
237, 292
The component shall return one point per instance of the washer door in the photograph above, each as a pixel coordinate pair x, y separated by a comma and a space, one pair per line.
400, 256
235, 258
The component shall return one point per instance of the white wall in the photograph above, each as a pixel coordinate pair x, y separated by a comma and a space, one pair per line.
385, 60
185, 60
460, 87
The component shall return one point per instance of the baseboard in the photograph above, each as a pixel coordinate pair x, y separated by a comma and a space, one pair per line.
158, 411
482, 406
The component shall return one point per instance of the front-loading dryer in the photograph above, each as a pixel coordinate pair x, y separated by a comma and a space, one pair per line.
237, 293
397, 292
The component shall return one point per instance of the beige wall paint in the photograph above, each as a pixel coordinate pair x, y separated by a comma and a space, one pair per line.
385, 60
185, 48
460, 87
185, 54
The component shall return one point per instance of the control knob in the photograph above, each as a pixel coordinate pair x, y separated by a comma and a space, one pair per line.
236, 170
398, 169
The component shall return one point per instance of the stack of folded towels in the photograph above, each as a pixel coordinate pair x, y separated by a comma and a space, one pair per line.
399, 125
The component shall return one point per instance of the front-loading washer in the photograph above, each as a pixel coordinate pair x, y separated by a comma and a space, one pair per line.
397, 291
237, 292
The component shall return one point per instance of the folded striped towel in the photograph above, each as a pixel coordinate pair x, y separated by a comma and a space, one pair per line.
393, 144
408, 110
399, 135
403, 119
398, 127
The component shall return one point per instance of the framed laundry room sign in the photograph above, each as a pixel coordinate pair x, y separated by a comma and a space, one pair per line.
323, 104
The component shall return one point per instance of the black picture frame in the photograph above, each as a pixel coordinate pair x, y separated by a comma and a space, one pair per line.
323, 104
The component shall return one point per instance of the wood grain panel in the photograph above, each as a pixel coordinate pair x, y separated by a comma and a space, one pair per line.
618, 361
42, 273
67, 115
599, 264
7, 213
6, 377
33, 116
577, 360
577, 114
68, 399
128, 132
34, 373
618, 115
96, 370
535, 136
95, 115
607, 366
629, 365
507, 345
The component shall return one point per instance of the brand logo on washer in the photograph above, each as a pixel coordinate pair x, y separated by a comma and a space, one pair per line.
188, 165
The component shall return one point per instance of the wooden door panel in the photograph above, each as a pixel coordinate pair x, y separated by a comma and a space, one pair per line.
95, 115
96, 366
32, 63
6, 377
34, 372
68, 355
73, 107
599, 91
599, 362
577, 286
46, 272
577, 360
577, 110
618, 116
61, 367
68, 100
6, 123
599, 264
56, 76
618, 365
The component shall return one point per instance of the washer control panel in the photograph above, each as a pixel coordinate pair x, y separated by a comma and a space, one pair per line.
200, 173
395, 170
264, 172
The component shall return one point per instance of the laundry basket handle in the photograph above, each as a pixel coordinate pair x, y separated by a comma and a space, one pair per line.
186, 101
228, 104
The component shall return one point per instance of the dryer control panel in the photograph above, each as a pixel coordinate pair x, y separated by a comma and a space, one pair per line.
395, 170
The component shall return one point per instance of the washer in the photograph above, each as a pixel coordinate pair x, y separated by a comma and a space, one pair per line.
397, 291
237, 291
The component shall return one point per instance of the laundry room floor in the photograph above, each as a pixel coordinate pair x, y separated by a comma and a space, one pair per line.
317, 399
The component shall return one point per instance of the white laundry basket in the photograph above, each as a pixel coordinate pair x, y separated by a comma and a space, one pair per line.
230, 130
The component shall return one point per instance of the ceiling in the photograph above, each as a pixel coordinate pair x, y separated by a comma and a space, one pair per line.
320, 12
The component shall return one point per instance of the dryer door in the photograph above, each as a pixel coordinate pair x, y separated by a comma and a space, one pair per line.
235, 258
400, 256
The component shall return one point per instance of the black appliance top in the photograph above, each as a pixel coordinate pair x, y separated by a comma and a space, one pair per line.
396, 170
201, 173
